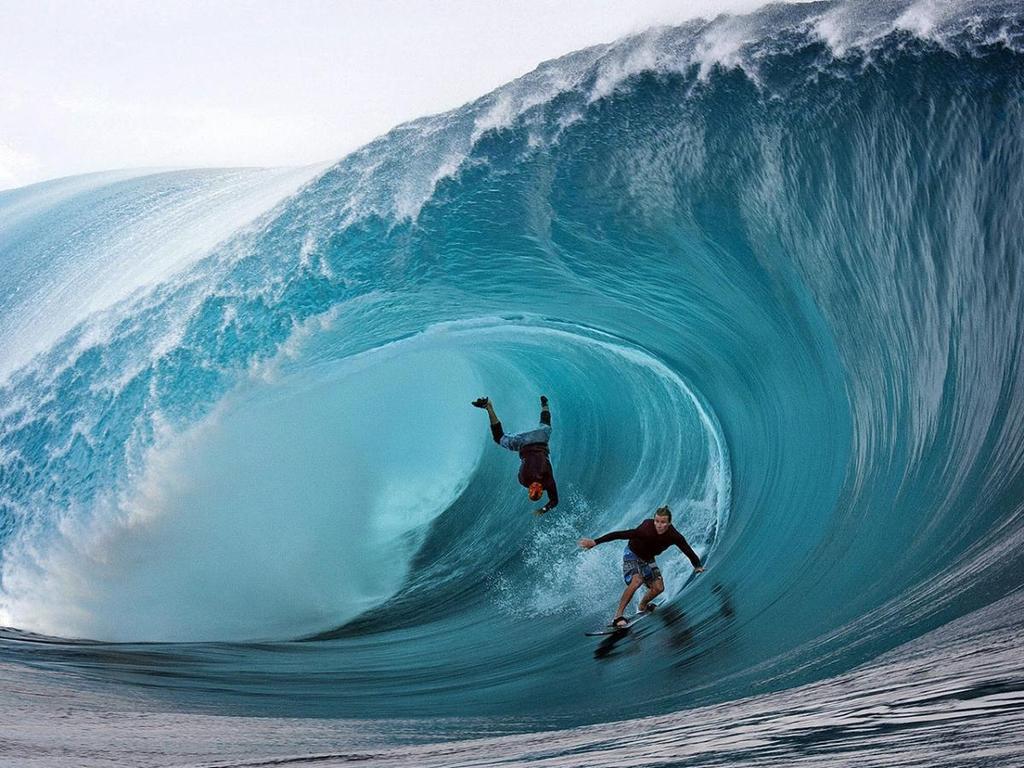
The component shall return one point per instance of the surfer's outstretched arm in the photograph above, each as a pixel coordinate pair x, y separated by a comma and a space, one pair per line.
545, 414
552, 489
588, 543
686, 549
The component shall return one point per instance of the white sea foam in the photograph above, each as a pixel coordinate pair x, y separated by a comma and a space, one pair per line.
291, 508
731, 42
135, 250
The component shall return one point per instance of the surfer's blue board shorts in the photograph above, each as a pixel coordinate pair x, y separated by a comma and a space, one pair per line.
631, 565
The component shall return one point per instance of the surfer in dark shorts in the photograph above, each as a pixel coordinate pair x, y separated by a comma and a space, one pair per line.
535, 472
645, 542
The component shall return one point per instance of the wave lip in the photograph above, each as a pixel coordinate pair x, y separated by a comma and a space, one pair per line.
102, 237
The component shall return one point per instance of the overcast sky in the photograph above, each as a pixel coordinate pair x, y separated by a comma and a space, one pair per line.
88, 85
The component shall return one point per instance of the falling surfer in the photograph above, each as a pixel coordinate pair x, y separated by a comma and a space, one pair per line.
535, 473
645, 542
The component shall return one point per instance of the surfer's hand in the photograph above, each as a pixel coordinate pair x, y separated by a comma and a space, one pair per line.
699, 569
587, 543
541, 511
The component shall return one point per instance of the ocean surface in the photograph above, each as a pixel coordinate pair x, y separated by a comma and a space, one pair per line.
769, 270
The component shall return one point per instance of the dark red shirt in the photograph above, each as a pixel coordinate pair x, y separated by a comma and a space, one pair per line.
646, 543
534, 465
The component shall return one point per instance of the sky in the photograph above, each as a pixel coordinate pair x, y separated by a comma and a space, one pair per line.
90, 85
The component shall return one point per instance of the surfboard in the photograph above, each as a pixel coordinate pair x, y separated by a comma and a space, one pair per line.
631, 622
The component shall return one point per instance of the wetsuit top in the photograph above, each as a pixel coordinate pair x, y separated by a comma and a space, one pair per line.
646, 543
532, 446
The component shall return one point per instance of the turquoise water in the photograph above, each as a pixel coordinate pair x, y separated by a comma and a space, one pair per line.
767, 269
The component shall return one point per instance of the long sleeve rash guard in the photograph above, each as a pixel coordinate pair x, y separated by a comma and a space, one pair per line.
532, 447
646, 543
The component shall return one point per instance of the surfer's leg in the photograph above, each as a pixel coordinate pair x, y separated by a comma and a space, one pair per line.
654, 588
634, 584
496, 428
491, 415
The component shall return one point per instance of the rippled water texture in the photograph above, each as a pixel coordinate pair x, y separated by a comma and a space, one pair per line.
766, 268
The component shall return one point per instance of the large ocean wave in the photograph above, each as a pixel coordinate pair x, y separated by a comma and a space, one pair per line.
766, 268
